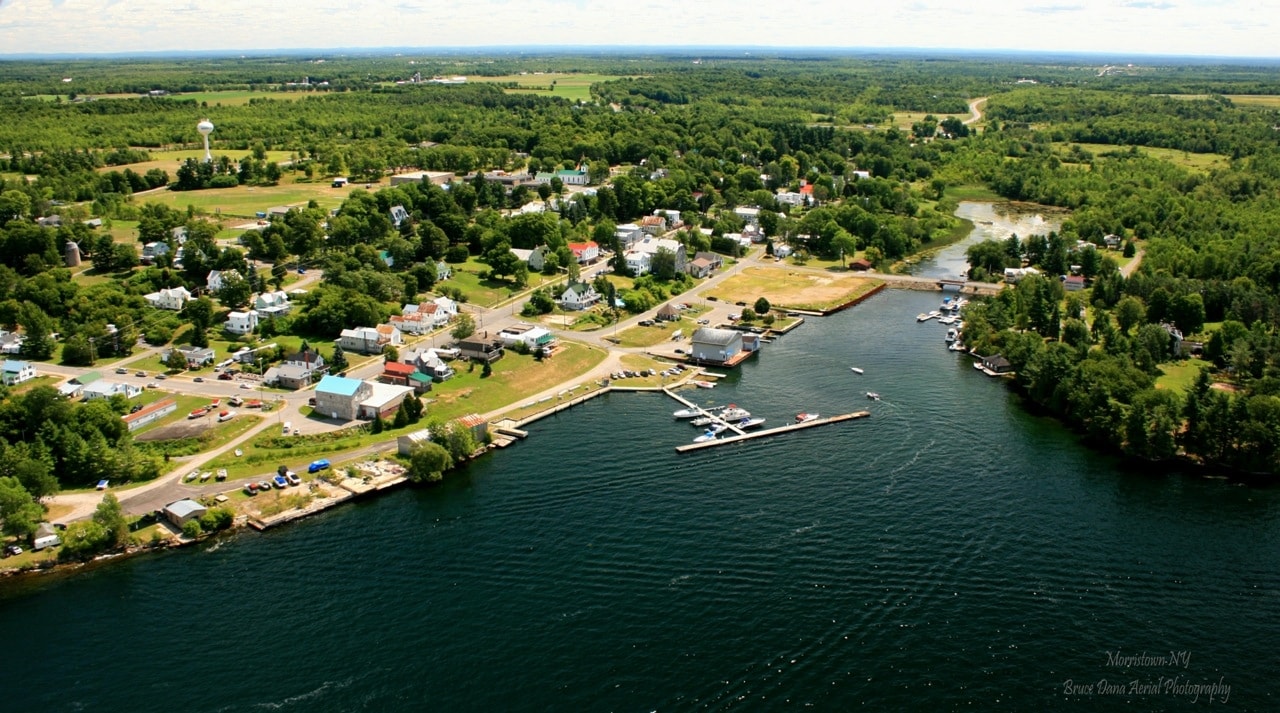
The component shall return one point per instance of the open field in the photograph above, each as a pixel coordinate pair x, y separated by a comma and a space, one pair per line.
1185, 159
1180, 376
489, 293
515, 377
904, 119
247, 201
1270, 101
239, 97
574, 87
171, 160
793, 289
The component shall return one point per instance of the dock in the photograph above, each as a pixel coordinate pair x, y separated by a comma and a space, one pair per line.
715, 418
772, 431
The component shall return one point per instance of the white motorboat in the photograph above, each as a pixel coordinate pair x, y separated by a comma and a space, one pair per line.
873, 396
702, 421
733, 413
952, 336
855, 370
706, 436
703, 384
687, 413
806, 417
750, 423
956, 346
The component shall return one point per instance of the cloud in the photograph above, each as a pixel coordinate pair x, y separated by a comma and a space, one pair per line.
1149, 5
1054, 9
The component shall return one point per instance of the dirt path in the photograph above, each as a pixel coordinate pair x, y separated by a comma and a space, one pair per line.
1129, 269
975, 111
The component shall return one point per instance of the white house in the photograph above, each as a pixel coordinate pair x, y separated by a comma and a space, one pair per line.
628, 234
370, 340
217, 279
103, 389
154, 251
654, 224
10, 342
715, 345
673, 216
585, 253
272, 303
241, 322
171, 298
443, 271
431, 363
651, 246
398, 215
195, 357
535, 258
748, 214
637, 262
578, 296
447, 308
529, 335
16, 372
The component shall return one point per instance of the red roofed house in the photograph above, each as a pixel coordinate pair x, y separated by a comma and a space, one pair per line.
478, 426
654, 224
860, 265
396, 373
585, 252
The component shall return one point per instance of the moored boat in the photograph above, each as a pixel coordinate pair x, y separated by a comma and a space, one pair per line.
952, 336
956, 346
733, 413
687, 413
855, 370
706, 436
703, 384
750, 423
806, 417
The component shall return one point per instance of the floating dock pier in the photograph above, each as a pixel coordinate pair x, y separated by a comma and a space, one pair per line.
772, 431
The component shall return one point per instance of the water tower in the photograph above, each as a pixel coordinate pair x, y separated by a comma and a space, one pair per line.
205, 127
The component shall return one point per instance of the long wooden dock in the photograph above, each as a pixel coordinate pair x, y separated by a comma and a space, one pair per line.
772, 431
709, 414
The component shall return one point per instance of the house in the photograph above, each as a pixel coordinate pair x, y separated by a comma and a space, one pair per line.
653, 245
272, 304
366, 340
748, 214
1175, 338
218, 279
1014, 275
103, 389
170, 298
196, 357
383, 400
443, 271
447, 309
430, 363
340, 397
1073, 283
16, 372
399, 215
585, 253
179, 235
184, 511
341, 181
390, 335
860, 265
477, 425
1112, 241
628, 234
637, 262
527, 334
996, 364
406, 444
781, 251
393, 372
150, 413
288, 376
427, 315
791, 198
480, 350
716, 346
578, 296
673, 217
414, 323
10, 342
535, 258
715, 259
154, 251
668, 313
241, 322
49, 221
654, 224
437, 177
575, 177
700, 267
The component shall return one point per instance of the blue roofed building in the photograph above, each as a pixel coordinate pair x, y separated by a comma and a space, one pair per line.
340, 397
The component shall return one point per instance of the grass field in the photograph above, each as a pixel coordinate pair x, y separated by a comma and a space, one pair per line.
904, 119
1191, 161
574, 87
794, 289
239, 97
247, 201
466, 277
1180, 376
1270, 101
171, 160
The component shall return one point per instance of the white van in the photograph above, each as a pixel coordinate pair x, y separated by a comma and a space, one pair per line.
287, 427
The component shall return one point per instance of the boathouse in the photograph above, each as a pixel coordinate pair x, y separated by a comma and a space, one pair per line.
716, 346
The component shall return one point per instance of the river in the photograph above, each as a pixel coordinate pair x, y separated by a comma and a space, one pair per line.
991, 221
951, 552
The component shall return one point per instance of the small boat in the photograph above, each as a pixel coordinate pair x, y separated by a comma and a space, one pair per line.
703, 384
855, 370
192, 476
750, 423
956, 346
949, 319
205, 476
923, 317
707, 436
221, 475
806, 417
873, 396
733, 413
687, 413
952, 336
702, 421
977, 365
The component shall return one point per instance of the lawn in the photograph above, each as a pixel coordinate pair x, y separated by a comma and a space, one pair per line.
515, 378
248, 201
573, 87
639, 336
490, 292
1180, 376
171, 160
794, 289
904, 119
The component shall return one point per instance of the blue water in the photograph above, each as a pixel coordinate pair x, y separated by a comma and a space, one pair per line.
949, 553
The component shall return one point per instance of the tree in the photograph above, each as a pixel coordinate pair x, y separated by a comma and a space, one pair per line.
1187, 311
199, 312
402, 418
235, 290
19, 512
338, 363
111, 517
762, 306
464, 327
38, 327
428, 462
1129, 313
845, 244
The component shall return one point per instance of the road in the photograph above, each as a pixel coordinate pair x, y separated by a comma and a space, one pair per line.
1129, 269
975, 111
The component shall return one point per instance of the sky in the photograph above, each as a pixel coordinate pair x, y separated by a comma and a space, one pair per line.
1224, 28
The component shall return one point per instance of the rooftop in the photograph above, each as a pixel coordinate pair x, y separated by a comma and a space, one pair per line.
339, 385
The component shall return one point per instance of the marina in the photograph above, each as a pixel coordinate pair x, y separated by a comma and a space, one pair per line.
772, 431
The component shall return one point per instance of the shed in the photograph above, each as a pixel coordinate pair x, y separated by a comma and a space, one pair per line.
45, 536
184, 511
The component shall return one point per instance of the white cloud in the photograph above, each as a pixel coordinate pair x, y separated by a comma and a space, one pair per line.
1183, 27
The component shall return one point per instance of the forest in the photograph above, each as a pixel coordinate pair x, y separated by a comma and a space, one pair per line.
1203, 217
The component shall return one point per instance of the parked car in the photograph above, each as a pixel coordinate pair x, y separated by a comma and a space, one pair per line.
293, 479
318, 465
10, 550
704, 320
245, 386
224, 376
139, 373
121, 370
199, 379
251, 489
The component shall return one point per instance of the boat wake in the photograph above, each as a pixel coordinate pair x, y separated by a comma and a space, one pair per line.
915, 458
303, 699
